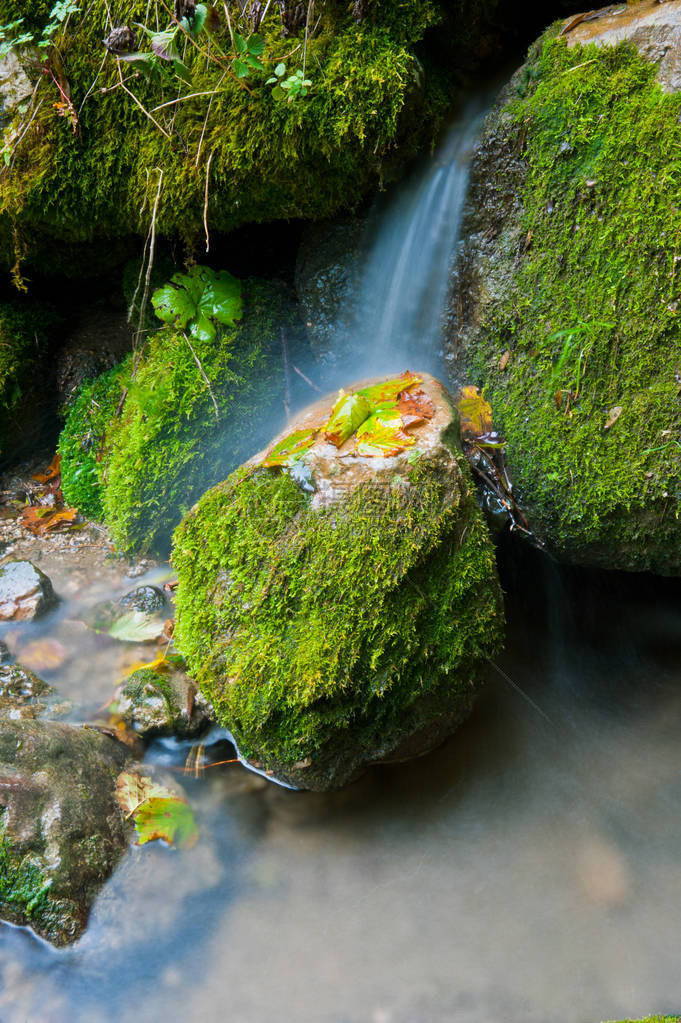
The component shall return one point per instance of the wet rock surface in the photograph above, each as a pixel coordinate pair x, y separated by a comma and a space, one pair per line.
25, 591
99, 338
61, 830
149, 599
155, 703
339, 614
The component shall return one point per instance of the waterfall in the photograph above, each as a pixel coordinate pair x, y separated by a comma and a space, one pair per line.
394, 320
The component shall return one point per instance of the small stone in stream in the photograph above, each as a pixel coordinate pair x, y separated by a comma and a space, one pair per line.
149, 599
163, 704
22, 693
25, 592
5, 655
135, 571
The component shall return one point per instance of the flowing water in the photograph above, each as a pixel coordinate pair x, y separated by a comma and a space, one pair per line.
529, 870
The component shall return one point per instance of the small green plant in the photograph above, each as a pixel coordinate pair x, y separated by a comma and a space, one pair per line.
290, 87
198, 300
249, 50
14, 37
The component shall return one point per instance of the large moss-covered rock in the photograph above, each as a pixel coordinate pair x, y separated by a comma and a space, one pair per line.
142, 448
340, 613
371, 99
568, 295
61, 829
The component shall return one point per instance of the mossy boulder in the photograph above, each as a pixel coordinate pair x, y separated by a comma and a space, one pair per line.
373, 101
143, 442
567, 298
61, 830
340, 612
162, 701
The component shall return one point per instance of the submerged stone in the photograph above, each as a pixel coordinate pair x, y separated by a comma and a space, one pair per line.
340, 612
61, 829
25, 591
567, 294
149, 599
154, 703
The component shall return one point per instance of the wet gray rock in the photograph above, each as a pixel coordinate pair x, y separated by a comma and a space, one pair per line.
61, 829
5, 655
326, 270
25, 592
15, 87
154, 704
99, 338
149, 599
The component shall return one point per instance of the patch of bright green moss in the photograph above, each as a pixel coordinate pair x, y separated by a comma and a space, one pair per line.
592, 316
83, 440
24, 891
313, 630
651, 1019
268, 159
169, 444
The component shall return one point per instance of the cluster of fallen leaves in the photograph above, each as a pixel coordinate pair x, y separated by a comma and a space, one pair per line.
45, 511
378, 416
484, 449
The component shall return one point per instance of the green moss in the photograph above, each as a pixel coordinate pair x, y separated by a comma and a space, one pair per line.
24, 890
83, 440
169, 445
651, 1019
591, 308
269, 160
312, 630
24, 334
145, 679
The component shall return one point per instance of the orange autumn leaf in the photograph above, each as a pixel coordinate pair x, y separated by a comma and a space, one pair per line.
52, 472
39, 520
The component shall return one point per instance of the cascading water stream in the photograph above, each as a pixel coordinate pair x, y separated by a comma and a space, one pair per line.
394, 318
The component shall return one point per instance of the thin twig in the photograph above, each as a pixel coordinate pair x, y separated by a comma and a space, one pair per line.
203, 374
306, 379
229, 22
205, 201
307, 25
287, 389
181, 99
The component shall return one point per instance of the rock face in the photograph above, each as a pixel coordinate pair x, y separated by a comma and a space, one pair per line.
25, 591
339, 612
326, 270
567, 295
61, 830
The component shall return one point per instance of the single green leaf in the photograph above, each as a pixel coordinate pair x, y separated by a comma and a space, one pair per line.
280, 70
199, 20
182, 72
240, 44
388, 390
382, 435
220, 295
240, 69
158, 812
170, 819
137, 627
202, 327
174, 304
290, 449
256, 45
347, 414
163, 44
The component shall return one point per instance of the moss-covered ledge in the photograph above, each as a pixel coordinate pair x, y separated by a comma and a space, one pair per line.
571, 298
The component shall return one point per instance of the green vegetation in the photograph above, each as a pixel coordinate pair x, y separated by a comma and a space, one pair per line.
24, 890
196, 407
98, 165
584, 290
651, 1019
83, 441
320, 632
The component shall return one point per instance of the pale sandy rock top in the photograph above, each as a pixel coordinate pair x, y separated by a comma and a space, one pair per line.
653, 26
